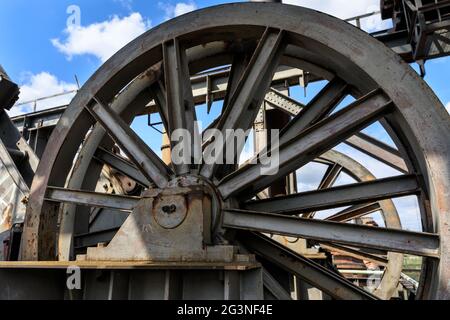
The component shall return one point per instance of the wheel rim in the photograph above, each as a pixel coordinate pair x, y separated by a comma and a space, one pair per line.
412, 99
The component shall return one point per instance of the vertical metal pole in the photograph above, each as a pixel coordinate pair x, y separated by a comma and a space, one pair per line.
165, 149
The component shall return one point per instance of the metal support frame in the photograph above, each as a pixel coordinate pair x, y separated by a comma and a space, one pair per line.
424, 25
134, 281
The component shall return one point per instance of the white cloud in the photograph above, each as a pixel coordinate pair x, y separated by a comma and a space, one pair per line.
343, 10
41, 85
182, 8
310, 176
101, 39
447, 106
127, 4
178, 9
409, 212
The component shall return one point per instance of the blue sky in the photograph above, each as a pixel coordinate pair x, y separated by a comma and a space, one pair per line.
43, 55
28, 30
27, 27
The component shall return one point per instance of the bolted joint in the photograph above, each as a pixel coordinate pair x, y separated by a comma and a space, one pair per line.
169, 209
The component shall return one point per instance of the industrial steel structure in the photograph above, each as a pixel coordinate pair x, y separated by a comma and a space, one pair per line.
141, 227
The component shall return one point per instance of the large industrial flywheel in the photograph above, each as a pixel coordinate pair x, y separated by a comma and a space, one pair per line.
230, 231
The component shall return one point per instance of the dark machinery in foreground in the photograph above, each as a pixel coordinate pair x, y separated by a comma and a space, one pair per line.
179, 231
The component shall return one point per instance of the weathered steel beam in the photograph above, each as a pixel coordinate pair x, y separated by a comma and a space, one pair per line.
358, 254
360, 141
309, 144
378, 150
158, 93
322, 104
307, 270
354, 212
327, 181
244, 104
144, 158
283, 102
219, 86
274, 286
340, 196
91, 199
122, 165
417, 243
179, 100
85, 172
94, 238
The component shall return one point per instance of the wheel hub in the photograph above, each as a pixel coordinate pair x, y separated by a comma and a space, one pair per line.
170, 211
170, 224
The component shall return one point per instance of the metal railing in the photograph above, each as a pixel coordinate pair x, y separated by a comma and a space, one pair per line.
358, 19
35, 101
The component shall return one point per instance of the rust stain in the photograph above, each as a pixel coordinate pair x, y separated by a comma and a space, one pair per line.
6, 218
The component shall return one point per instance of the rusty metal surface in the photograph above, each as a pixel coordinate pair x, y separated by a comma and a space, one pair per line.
166, 225
17, 165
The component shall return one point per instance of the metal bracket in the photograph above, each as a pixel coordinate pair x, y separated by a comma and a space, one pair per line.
166, 225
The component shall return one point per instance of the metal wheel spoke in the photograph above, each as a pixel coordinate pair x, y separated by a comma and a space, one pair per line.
179, 98
330, 177
340, 196
416, 243
359, 141
309, 144
274, 286
324, 101
244, 103
322, 105
144, 158
122, 165
354, 212
237, 70
270, 283
358, 254
207, 133
158, 93
306, 269
327, 181
91, 199
378, 150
